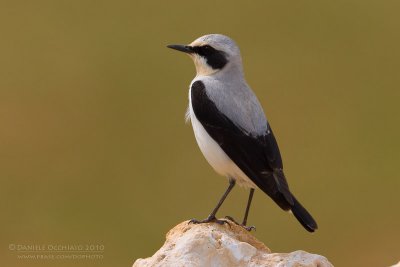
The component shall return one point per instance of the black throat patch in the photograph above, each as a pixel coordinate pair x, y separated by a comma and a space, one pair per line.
216, 59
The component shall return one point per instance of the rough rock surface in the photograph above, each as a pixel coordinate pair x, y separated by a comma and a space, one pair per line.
212, 244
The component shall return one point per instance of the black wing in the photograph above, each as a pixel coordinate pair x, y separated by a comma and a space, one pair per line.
258, 157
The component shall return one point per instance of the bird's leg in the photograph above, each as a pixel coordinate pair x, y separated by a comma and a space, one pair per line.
246, 214
211, 217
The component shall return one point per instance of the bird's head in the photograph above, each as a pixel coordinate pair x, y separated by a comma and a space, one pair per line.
212, 53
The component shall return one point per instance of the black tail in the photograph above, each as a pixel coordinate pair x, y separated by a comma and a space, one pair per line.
303, 216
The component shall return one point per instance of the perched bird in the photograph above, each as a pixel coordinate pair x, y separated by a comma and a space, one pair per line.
231, 128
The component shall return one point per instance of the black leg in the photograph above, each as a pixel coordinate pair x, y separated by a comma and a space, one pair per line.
211, 217
246, 214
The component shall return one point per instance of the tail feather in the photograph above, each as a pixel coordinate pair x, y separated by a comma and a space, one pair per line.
303, 216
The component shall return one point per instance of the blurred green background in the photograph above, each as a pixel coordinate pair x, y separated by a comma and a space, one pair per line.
94, 149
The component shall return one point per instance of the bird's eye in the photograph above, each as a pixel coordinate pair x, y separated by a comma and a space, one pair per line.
204, 50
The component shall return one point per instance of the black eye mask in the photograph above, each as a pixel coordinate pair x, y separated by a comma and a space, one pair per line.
215, 58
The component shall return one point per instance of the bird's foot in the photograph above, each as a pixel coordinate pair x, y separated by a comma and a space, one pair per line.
208, 220
247, 228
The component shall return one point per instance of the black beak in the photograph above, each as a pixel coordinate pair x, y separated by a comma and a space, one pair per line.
183, 48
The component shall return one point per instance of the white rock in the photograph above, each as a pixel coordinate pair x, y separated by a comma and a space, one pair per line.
217, 245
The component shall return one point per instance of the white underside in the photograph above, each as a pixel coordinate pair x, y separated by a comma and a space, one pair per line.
215, 156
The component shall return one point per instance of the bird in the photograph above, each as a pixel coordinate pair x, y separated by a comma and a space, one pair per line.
231, 128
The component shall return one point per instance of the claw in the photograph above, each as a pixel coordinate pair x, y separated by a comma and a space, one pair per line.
231, 219
210, 219
247, 228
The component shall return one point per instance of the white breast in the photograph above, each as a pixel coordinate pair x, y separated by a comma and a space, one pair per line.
215, 156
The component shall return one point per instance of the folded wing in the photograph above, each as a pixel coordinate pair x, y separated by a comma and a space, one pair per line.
257, 156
